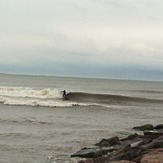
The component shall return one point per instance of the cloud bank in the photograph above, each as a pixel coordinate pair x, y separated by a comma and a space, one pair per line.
91, 38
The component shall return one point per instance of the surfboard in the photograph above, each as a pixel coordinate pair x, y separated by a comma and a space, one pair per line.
65, 97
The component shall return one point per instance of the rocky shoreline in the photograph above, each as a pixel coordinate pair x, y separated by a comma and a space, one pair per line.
135, 148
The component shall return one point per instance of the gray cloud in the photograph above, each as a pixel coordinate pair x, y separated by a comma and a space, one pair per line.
100, 38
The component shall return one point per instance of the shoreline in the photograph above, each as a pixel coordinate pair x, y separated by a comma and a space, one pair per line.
135, 148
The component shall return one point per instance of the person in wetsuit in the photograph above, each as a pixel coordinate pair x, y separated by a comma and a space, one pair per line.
64, 94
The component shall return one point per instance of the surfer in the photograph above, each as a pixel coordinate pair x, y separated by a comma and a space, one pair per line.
64, 94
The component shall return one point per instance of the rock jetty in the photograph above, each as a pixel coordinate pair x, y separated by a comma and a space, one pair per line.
135, 148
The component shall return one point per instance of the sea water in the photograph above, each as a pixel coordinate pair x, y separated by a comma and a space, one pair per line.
38, 125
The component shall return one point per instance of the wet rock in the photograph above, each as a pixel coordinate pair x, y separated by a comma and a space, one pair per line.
123, 150
88, 153
153, 134
141, 142
144, 127
138, 143
92, 152
122, 161
82, 161
137, 159
94, 160
129, 155
108, 142
160, 126
130, 137
156, 143
154, 156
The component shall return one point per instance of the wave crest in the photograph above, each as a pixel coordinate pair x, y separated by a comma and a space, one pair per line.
108, 98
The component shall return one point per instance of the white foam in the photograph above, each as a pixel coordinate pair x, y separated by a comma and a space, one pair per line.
26, 96
38, 102
23, 102
30, 92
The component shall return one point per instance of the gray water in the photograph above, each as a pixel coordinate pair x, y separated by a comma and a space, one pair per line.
37, 125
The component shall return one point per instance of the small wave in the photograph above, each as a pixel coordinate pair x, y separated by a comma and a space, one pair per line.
39, 102
24, 121
108, 98
151, 91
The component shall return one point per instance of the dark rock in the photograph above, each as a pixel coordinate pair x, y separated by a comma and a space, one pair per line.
160, 126
106, 150
129, 155
138, 143
92, 152
137, 159
144, 127
153, 134
94, 160
142, 142
156, 143
123, 150
122, 161
108, 142
131, 137
88, 153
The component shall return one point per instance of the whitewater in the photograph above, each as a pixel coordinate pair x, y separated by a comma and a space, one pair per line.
33, 97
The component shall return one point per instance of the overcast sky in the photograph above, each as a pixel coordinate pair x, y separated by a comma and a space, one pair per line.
91, 38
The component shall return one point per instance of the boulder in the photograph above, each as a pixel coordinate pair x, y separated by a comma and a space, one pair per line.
156, 143
123, 150
92, 152
94, 160
160, 126
108, 142
144, 127
153, 134
129, 155
122, 161
88, 153
130, 137
138, 143
154, 156
141, 142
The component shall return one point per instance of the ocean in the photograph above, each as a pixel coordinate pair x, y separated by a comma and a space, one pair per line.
38, 126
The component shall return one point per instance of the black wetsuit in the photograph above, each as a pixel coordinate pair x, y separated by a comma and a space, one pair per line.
64, 94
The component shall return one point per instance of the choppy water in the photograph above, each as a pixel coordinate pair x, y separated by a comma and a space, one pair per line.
37, 125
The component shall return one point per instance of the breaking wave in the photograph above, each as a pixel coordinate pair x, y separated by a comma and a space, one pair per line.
26, 96
52, 97
30, 92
